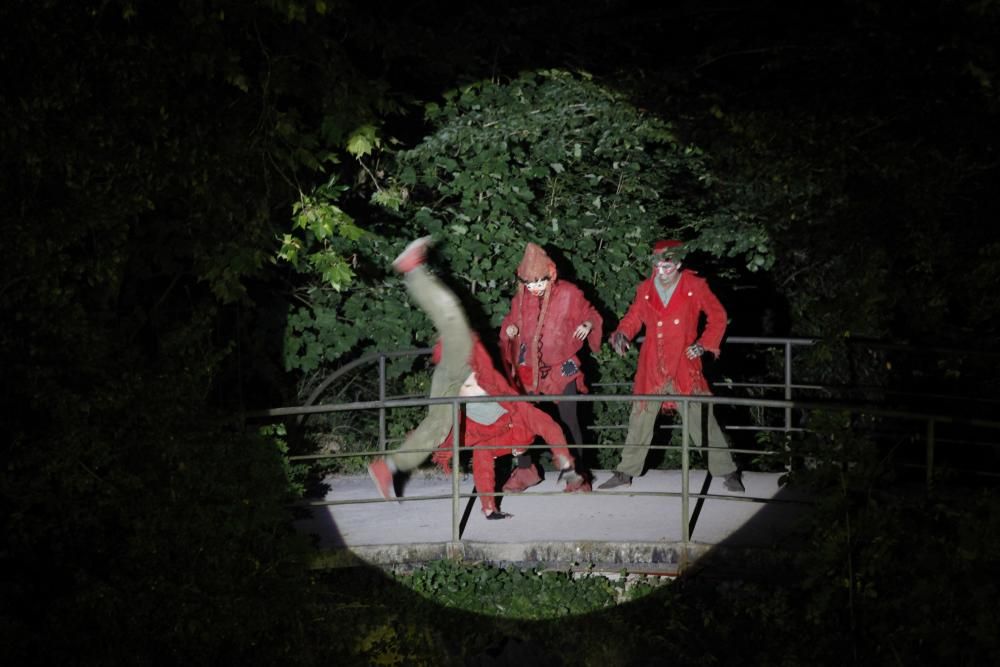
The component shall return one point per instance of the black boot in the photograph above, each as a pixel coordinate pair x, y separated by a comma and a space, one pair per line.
618, 479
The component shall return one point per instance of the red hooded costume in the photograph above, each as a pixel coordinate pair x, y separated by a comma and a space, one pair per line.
537, 355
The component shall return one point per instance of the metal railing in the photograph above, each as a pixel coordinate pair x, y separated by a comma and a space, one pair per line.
787, 344
787, 385
931, 421
788, 404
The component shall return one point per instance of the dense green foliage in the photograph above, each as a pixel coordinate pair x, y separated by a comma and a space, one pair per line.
550, 158
518, 594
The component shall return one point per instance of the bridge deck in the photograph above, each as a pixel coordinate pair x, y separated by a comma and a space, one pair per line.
604, 528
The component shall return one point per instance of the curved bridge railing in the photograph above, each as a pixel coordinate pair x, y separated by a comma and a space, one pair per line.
787, 385
928, 425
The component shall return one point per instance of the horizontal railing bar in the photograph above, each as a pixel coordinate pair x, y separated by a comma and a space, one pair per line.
767, 340
766, 429
866, 409
561, 494
873, 414
729, 427
768, 385
946, 468
464, 449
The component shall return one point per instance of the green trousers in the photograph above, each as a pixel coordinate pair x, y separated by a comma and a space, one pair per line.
703, 431
444, 310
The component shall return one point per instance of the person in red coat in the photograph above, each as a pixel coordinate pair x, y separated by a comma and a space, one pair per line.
548, 323
500, 428
669, 304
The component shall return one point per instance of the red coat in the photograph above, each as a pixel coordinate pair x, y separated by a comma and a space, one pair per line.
567, 309
480, 361
670, 330
517, 429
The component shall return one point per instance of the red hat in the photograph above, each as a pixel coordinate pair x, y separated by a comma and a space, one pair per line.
536, 264
661, 247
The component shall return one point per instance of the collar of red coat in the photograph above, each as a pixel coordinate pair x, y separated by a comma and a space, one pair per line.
481, 363
684, 282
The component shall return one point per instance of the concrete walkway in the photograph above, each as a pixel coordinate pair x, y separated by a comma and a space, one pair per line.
604, 529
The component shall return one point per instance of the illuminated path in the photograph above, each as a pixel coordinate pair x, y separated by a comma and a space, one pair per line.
607, 529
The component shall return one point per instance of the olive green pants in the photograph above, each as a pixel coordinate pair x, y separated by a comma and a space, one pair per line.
703, 431
444, 310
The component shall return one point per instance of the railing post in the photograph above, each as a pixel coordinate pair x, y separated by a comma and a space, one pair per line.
381, 398
788, 384
685, 485
456, 509
930, 452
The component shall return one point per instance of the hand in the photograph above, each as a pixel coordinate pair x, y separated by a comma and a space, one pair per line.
511, 330
442, 458
619, 343
694, 351
583, 331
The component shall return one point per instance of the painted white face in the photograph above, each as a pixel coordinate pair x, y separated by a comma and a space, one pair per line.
537, 287
667, 269
471, 387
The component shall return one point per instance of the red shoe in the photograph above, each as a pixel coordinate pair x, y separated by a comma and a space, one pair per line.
412, 256
521, 479
382, 476
576, 483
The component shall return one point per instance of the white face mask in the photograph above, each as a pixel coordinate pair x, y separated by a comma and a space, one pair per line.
471, 387
537, 287
666, 269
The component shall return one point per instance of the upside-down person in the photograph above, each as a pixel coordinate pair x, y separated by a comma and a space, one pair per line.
500, 428
540, 338
461, 361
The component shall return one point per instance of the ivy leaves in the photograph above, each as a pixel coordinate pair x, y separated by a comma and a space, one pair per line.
556, 159
515, 593
325, 225
549, 157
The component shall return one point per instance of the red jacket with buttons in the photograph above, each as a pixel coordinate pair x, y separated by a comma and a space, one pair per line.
670, 330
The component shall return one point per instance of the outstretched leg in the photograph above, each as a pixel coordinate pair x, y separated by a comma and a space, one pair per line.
444, 310
641, 423
704, 431
569, 415
484, 475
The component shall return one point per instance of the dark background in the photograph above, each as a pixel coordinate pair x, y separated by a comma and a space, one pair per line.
149, 156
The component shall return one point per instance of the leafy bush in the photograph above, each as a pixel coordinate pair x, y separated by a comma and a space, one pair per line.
517, 593
549, 157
